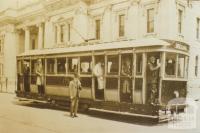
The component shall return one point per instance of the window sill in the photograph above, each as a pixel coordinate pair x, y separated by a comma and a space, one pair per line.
153, 34
121, 38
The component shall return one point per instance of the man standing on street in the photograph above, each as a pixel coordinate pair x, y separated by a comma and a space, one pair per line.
74, 91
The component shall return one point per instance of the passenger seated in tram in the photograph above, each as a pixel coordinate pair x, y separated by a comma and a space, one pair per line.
126, 71
153, 79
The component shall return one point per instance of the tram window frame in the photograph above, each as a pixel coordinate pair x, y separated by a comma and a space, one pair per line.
57, 67
33, 66
140, 65
184, 66
70, 63
86, 59
123, 59
53, 70
108, 71
174, 64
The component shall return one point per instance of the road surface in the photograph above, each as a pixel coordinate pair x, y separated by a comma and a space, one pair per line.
22, 117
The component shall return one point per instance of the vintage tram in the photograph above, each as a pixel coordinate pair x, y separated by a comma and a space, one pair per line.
129, 85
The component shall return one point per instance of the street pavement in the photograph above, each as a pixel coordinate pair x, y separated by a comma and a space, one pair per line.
25, 117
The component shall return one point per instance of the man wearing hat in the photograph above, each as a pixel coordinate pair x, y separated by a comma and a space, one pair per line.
74, 91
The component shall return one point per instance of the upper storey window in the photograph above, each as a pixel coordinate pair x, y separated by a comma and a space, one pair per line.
180, 21
1, 44
98, 29
197, 28
62, 33
121, 25
150, 20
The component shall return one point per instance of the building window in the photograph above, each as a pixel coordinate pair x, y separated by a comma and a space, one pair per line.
62, 33
69, 32
1, 69
150, 20
197, 28
98, 28
180, 20
33, 43
121, 25
1, 45
196, 65
55, 35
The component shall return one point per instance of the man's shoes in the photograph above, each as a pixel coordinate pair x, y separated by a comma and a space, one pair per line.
75, 116
71, 115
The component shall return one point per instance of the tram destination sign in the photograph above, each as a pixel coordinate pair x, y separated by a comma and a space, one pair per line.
180, 46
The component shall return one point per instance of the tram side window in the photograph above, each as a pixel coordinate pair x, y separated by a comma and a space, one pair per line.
113, 64
61, 65
86, 64
170, 68
181, 66
33, 66
50, 66
139, 64
73, 65
126, 63
19, 67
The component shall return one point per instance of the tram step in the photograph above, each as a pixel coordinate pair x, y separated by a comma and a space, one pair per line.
122, 113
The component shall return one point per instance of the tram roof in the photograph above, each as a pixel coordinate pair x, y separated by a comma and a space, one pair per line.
148, 42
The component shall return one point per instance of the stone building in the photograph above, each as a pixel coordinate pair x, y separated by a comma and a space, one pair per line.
49, 24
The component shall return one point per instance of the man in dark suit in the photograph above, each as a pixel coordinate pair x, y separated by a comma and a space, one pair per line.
74, 91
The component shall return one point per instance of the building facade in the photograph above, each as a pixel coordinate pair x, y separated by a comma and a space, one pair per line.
49, 24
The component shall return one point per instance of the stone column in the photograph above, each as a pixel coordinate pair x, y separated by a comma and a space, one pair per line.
27, 39
40, 36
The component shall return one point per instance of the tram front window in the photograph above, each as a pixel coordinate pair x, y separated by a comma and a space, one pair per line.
113, 65
86, 64
153, 70
181, 66
170, 67
61, 65
73, 65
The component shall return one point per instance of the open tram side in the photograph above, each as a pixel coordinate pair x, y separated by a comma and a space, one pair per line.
132, 98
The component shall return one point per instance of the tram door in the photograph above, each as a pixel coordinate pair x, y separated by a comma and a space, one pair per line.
26, 75
126, 78
152, 77
99, 71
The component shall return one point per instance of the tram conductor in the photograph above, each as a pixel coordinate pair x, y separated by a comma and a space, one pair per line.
74, 91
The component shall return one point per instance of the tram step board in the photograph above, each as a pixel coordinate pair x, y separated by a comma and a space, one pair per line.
122, 113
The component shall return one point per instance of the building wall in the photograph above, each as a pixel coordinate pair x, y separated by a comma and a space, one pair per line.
82, 16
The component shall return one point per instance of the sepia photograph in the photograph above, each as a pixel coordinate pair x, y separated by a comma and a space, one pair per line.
99, 66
